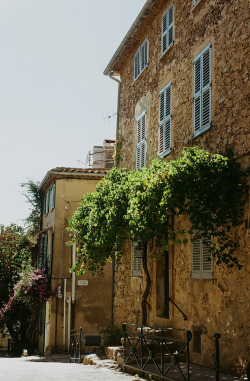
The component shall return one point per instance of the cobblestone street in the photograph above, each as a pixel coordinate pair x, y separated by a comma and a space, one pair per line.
35, 369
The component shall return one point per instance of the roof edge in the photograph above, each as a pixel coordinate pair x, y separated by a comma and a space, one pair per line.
57, 174
133, 29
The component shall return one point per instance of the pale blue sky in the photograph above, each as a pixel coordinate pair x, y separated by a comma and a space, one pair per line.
53, 94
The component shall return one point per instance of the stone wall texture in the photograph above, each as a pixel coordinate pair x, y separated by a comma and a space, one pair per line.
220, 304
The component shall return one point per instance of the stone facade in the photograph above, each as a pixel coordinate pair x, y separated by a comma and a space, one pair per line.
213, 305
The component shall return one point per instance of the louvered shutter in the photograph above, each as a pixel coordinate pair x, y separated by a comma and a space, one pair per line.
136, 64
48, 202
206, 89
168, 28
202, 267
141, 59
144, 55
44, 204
202, 91
53, 195
206, 255
141, 141
137, 259
164, 142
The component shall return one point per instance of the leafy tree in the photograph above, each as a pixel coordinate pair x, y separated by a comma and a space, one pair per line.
34, 199
14, 249
140, 206
31, 289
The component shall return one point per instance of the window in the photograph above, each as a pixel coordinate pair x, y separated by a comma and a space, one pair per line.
53, 196
44, 204
202, 266
137, 259
164, 145
141, 141
47, 202
141, 59
202, 91
168, 28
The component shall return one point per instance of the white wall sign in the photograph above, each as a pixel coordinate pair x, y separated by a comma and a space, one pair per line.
83, 282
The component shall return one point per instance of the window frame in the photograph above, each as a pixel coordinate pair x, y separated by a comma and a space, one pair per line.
166, 148
167, 30
200, 112
141, 140
141, 64
53, 202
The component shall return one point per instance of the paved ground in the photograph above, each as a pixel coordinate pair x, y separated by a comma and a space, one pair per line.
33, 368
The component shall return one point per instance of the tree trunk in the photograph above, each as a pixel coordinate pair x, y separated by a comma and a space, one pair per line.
144, 302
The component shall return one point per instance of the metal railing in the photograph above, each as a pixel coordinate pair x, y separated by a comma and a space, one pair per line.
161, 352
75, 345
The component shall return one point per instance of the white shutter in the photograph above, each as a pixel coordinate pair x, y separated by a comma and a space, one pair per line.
202, 266
168, 28
202, 91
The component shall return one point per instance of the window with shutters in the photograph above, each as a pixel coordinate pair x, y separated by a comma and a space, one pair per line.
47, 202
53, 196
202, 264
141, 59
168, 28
164, 142
202, 91
141, 141
137, 259
44, 204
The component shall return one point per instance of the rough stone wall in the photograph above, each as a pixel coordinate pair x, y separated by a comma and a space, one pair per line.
222, 304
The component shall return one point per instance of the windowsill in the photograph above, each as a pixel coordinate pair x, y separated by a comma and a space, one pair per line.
196, 6
162, 317
164, 154
135, 80
208, 276
201, 132
166, 51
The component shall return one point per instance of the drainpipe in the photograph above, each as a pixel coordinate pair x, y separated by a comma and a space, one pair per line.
64, 311
69, 321
116, 137
73, 288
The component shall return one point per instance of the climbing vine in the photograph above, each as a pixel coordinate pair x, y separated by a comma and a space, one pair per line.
209, 189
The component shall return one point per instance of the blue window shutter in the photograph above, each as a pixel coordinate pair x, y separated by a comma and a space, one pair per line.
141, 141
164, 142
53, 195
136, 65
168, 28
48, 202
44, 204
202, 91
141, 59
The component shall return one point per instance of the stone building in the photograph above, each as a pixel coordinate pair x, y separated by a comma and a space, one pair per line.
183, 82
76, 301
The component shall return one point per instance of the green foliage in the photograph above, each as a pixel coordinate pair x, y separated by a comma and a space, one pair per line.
30, 289
34, 199
118, 148
209, 189
111, 336
14, 250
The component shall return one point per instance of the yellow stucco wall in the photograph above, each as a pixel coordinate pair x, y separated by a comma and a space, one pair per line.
92, 307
